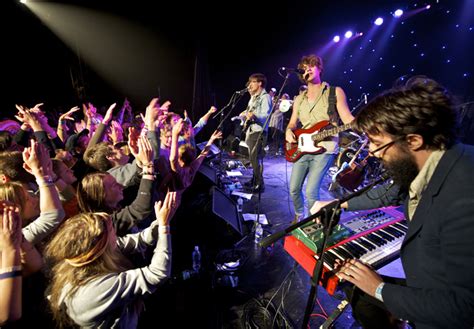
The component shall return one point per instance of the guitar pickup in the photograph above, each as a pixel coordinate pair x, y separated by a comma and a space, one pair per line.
301, 141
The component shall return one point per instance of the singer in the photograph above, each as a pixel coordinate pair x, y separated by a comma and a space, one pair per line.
318, 103
412, 129
254, 116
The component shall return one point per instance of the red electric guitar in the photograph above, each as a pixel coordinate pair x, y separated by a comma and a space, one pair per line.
308, 139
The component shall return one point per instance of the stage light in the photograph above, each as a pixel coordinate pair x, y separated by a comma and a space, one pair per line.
336, 38
348, 34
378, 21
398, 13
428, 7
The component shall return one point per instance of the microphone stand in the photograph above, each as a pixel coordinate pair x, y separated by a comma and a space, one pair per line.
330, 215
362, 101
275, 101
234, 99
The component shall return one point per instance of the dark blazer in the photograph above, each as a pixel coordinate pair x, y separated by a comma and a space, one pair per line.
438, 251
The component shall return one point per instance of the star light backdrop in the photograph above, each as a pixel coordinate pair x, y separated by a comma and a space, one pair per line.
431, 39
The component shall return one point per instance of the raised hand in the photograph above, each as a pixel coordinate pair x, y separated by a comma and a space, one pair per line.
10, 227
30, 117
145, 151
108, 114
36, 159
165, 107
151, 114
215, 135
133, 135
67, 115
177, 128
166, 209
116, 132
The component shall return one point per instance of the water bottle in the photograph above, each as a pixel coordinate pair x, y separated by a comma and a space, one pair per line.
240, 203
258, 231
196, 259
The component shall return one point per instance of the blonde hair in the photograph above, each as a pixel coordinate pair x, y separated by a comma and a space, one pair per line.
91, 193
14, 192
72, 255
187, 153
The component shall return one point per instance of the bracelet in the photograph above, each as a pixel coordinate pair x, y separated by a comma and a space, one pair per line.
11, 274
378, 291
46, 180
11, 269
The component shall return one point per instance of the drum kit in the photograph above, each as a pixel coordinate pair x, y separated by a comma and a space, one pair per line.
285, 105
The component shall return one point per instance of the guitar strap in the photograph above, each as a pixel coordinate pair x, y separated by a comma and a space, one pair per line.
332, 113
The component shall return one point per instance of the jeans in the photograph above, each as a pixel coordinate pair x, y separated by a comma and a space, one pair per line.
315, 167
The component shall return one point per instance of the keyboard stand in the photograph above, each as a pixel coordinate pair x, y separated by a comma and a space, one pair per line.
330, 218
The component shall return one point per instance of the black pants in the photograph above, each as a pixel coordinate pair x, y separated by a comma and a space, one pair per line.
254, 144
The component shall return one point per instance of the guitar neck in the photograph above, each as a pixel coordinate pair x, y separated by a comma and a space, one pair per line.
358, 151
331, 132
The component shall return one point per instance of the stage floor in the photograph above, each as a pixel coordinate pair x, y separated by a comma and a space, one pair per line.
260, 274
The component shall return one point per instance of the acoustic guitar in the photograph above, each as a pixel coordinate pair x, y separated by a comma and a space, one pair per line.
351, 174
307, 139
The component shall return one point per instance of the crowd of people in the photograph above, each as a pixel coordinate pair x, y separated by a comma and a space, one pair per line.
72, 241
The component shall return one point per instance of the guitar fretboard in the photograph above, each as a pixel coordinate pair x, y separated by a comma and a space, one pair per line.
330, 132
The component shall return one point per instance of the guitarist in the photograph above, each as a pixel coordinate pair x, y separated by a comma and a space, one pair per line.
318, 103
254, 117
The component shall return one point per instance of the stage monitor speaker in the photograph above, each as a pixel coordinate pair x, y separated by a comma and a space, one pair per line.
224, 207
209, 172
213, 150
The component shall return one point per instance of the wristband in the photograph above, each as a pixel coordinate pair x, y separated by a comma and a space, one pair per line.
11, 274
46, 180
11, 269
163, 229
148, 176
378, 291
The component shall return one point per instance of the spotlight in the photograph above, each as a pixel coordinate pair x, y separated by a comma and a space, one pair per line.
348, 34
398, 13
336, 38
428, 7
378, 21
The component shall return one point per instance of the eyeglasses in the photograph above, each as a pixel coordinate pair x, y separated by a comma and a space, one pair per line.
385, 146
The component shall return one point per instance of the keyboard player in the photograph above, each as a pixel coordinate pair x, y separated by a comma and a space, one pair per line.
412, 129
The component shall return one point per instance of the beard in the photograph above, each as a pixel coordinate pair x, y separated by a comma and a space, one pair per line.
403, 170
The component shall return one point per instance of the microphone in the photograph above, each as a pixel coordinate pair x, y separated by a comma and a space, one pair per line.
241, 92
289, 70
365, 99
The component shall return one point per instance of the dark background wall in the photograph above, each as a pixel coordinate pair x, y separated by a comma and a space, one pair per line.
196, 55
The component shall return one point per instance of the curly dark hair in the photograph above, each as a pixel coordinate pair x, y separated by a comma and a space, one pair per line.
421, 106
